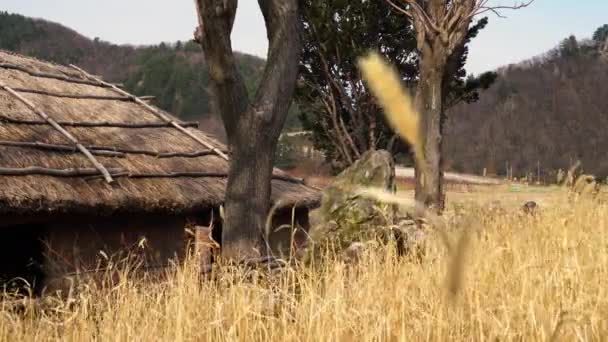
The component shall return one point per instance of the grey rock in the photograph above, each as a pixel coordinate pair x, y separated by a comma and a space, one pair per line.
346, 217
410, 237
354, 252
340, 202
530, 208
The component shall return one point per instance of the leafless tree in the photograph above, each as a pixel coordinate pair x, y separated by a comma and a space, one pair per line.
253, 126
441, 27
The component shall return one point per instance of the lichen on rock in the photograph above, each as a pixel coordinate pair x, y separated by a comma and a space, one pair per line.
347, 218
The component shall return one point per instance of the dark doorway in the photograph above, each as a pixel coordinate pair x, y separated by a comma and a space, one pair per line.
21, 258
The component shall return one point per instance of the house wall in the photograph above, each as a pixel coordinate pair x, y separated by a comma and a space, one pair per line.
289, 226
21, 256
80, 247
77, 248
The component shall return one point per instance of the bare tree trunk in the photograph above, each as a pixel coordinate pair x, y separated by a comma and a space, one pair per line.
429, 102
253, 126
247, 199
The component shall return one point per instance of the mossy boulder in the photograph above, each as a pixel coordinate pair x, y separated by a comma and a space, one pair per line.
348, 218
340, 201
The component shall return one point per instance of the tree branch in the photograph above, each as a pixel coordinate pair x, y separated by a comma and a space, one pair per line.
399, 9
274, 94
447, 20
420, 13
327, 100
217, 18
482, 7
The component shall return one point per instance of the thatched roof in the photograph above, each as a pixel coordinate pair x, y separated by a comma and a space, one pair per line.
155, 167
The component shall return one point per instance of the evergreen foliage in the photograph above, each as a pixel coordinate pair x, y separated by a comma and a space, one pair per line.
336, 34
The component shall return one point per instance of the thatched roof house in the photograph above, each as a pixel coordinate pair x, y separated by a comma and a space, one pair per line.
73, 146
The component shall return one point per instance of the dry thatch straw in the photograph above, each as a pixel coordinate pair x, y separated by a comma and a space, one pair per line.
147, 146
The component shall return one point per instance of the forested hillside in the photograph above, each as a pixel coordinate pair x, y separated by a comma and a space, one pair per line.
175, 73
548, 112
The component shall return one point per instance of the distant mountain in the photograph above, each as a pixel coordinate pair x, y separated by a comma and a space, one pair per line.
174, 73
547, 112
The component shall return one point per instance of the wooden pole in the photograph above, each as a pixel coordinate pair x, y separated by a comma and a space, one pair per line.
36, 170
61, 130
72, 96
118, 172
60, 148
46, 75
106, 151
11, 120
156, 112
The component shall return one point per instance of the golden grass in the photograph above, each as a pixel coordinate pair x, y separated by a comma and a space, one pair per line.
485, 276
524, 278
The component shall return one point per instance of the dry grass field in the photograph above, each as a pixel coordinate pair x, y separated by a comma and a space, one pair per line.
496, 275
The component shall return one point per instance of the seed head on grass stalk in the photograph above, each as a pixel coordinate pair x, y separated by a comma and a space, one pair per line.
399, 110
386, 85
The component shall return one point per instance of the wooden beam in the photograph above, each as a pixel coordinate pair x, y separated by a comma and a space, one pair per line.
156, 154
92, 173
43, 171
156, 112
59, 148
49, 75
72, 96
11, 120
61, 130
106, 151
194, 174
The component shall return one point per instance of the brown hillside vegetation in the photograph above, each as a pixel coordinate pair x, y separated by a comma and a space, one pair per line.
551, 111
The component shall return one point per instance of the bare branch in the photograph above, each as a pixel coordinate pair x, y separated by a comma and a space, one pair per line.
418, 14
447, 22
398, 8
496, 13
428, 21
483, 7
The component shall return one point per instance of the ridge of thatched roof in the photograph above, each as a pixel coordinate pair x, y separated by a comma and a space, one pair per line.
154, 166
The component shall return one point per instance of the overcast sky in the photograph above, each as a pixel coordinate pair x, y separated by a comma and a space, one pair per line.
524, 34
